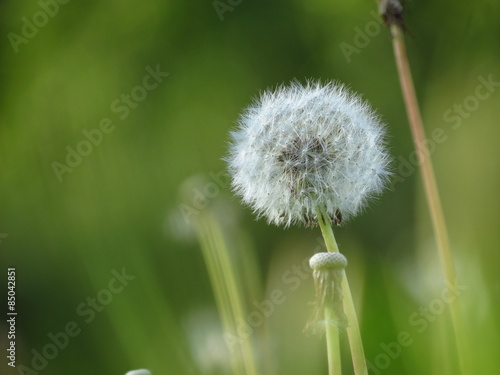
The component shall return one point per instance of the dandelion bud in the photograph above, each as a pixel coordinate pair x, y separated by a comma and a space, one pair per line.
301, 147
327, 273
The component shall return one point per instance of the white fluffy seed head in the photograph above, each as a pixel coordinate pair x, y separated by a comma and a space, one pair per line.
307, 145
321, 261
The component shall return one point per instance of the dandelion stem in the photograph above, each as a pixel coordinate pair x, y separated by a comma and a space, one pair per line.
332, 343
430, 186
353, 332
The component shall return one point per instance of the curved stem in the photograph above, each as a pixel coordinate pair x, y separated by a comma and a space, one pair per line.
353, 331
431, 189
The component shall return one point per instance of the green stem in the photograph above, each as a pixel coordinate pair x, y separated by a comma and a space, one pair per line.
220, 292
353, 332
431, 189
332, 343
225, 286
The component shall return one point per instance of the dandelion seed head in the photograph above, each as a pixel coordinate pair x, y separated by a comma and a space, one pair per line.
307, 145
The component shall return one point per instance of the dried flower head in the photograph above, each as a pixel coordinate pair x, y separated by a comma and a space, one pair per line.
327, 273
308, 145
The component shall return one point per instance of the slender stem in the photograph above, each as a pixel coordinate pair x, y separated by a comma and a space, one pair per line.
326, 230
353, 332
430, 186
332, 343
225, 285
220, 292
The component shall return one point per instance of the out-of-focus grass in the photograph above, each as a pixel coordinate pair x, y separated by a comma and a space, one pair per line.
66, 237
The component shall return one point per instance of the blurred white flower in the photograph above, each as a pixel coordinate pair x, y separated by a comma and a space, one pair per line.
138, 372
306, 146
208, 347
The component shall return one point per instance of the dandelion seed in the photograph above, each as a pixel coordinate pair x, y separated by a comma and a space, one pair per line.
305, 146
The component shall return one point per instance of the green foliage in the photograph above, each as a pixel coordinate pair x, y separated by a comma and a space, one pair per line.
120, 206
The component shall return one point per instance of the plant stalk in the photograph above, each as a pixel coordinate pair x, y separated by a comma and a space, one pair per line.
353, 331
226, 289
332, 343
430, 186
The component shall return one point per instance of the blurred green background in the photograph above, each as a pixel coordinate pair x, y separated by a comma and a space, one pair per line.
119, 206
